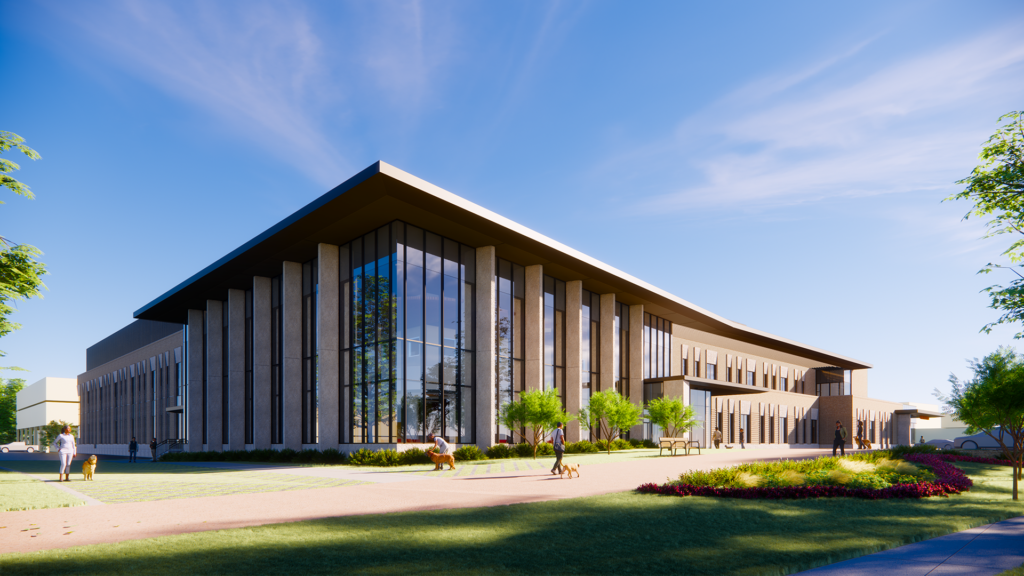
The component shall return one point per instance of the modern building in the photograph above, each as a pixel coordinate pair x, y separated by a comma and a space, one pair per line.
389, 309
132, 387
38, 404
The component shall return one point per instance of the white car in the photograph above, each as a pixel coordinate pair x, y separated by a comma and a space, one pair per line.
19, 446
982, 440
941, 444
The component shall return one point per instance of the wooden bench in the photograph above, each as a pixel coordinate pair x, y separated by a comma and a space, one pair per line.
673, 444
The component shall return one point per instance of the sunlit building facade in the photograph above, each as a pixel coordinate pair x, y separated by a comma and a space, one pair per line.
389, 309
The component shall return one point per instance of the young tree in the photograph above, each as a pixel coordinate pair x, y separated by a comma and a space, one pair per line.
996, 186
994, 398
9, 389
53, 429
20, 272
608, 414
674, 417
537, 411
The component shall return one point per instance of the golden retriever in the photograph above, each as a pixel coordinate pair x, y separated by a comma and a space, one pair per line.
570, 468
89, 467
440, 460
863, 442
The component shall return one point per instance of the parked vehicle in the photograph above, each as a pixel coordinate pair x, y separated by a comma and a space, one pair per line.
941, 444
17, 447
982, 440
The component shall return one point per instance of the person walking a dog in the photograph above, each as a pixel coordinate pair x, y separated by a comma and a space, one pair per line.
840, 440
133, 449
558, 443
442, 446
66, 450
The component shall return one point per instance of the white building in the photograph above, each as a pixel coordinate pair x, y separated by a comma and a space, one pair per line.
44, 401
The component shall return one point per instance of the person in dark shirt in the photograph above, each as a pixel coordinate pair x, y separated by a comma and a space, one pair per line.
133, 449
840, 440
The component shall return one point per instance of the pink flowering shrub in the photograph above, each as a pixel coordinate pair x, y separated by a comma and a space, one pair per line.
948, 480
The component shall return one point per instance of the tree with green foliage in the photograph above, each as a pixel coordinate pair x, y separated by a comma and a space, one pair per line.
993, 399
609, 413
54, 428
996, 186
537, 411
9, 389
20, 272
672, 415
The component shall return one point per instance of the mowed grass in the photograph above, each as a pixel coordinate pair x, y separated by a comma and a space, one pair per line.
120, 482
21, 492
624, 533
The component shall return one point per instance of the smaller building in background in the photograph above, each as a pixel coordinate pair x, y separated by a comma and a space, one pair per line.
43, 402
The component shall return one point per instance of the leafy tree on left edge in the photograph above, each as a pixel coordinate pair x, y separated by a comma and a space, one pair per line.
20, 272
9, 389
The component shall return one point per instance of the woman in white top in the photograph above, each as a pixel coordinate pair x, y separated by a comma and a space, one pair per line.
67, 450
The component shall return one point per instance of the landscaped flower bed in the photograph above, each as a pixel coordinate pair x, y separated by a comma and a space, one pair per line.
868, 476
954, 458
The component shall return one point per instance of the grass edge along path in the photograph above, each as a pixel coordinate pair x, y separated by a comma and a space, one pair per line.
20, 491
618, 533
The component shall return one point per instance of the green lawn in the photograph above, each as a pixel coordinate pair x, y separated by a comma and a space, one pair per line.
623, 533
117, 482
21, 492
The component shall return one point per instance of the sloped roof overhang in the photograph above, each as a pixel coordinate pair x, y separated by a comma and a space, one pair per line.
381, 194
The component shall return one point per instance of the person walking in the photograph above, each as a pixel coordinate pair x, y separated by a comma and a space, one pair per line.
717, 436
66, 450
840, 440
133, 449
558, 443
743, 437
152, 449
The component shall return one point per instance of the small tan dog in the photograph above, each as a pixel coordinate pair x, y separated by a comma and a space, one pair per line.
440, 460
89, 467
570, 468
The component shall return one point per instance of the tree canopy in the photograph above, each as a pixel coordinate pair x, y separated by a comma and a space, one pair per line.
996, 187
993, 399
20, 272
672, 414
9, 389
608, 414
537, 411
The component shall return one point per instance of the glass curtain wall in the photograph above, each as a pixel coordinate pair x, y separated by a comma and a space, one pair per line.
409, 295
248, 368
554, 336
621, 349
657, 347
832, 382
701, 402
509, 333
276, 368
590, 345
310, 345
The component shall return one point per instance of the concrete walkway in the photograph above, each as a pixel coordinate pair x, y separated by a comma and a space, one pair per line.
982, 551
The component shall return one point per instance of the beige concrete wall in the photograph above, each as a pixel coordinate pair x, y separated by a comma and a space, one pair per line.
486, 398
91, 410
46, 400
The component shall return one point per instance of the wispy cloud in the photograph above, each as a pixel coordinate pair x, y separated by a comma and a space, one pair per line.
272, 72
909, 125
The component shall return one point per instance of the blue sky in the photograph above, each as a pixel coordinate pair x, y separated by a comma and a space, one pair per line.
781, 164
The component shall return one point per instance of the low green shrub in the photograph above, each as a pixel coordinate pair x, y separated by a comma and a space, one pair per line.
602, 445
620, 444
500, 451
545, 449
901, 451
416, 456
581, 447
467, 453
524, 450
361, 457
649, 444
636, 443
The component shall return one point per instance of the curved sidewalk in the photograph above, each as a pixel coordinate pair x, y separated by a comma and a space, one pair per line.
982, 551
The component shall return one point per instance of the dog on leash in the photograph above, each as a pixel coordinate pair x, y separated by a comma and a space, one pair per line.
440, 460
89, 467
570, 468
863, 443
